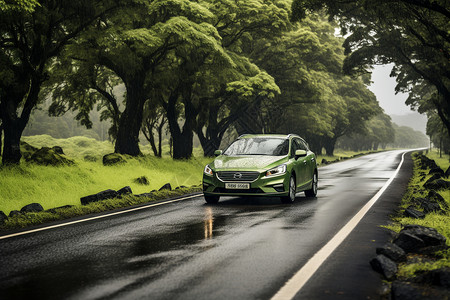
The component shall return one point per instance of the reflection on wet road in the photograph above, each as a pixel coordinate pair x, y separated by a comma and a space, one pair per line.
242, 247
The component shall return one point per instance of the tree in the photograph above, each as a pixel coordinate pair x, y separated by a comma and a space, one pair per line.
167, 35
438, 133
414, 35
29, 41
80, 86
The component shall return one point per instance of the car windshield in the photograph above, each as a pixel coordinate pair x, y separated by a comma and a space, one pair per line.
259, 146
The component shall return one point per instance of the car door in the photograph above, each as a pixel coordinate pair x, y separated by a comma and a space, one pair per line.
310, 162
302, 164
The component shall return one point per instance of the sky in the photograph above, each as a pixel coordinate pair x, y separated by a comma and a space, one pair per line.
384, 88
393, 104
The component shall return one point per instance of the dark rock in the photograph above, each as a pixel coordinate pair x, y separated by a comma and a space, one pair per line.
438, 184
113, 159
125, 191
14, 213
447, 173
384, 266
103, 195
27, 150
88, 199
428, 235
58, 150
55, 209
46, 156
427, 205
438, 198
409, 242
437, 171
427, 163
433, 178
413, 213
3, 217
142, 180
441, 277
90, 158
107, 194
402, 290
167, 186
33, 207
324, 161
181, 187
393, 252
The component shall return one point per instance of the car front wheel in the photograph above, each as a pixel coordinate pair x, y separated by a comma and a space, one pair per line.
292, 189
212, 199
313, 191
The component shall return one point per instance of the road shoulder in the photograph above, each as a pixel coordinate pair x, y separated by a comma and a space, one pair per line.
347, 274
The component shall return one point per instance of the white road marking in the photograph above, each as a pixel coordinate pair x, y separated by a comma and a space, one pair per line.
98, 217
295, 284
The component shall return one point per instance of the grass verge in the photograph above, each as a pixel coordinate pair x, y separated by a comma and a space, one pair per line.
28, 219
439, 221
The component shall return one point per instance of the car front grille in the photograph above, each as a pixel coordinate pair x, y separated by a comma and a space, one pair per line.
237, 176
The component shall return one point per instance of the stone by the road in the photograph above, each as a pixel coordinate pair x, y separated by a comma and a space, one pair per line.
167, 186
414, 213
392, 251
384, 266
125, 191
3, 217
33, 207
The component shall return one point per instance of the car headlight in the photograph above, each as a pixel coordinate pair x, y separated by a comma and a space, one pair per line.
281, 169
208, 170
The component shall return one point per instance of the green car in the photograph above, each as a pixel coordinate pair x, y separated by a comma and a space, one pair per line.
262, 165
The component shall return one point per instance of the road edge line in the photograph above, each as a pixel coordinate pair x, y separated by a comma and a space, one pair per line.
302, 276
98, 217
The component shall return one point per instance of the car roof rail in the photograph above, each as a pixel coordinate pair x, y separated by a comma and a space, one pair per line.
292, 134
242, 135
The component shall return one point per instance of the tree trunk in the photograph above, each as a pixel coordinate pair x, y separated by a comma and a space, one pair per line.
329, 145
182, 139
11, 151
160, 128
1, 141
127, 141
13, 126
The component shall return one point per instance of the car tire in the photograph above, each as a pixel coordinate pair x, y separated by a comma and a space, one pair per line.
290, 198
311, 193
212, 199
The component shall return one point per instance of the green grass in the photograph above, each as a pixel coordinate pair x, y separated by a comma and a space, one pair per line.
57, 186
439, 221
28, 219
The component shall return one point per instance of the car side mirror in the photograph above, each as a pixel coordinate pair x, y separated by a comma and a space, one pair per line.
300, 153
217, 152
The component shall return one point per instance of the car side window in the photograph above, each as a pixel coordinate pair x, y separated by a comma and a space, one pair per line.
303, 145
295, 146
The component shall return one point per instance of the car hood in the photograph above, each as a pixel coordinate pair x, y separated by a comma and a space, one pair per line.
247, 162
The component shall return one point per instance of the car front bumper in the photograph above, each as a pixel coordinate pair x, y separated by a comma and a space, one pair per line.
262, 186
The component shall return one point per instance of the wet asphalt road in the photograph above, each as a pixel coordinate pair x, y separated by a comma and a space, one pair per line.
241, 248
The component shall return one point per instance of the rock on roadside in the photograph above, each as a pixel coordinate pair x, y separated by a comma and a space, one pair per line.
167, 186
384, 266
3, 217
33, 207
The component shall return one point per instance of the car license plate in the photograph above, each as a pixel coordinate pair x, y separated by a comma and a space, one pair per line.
237, 186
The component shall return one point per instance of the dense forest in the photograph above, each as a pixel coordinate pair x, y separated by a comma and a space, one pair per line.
179, 68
